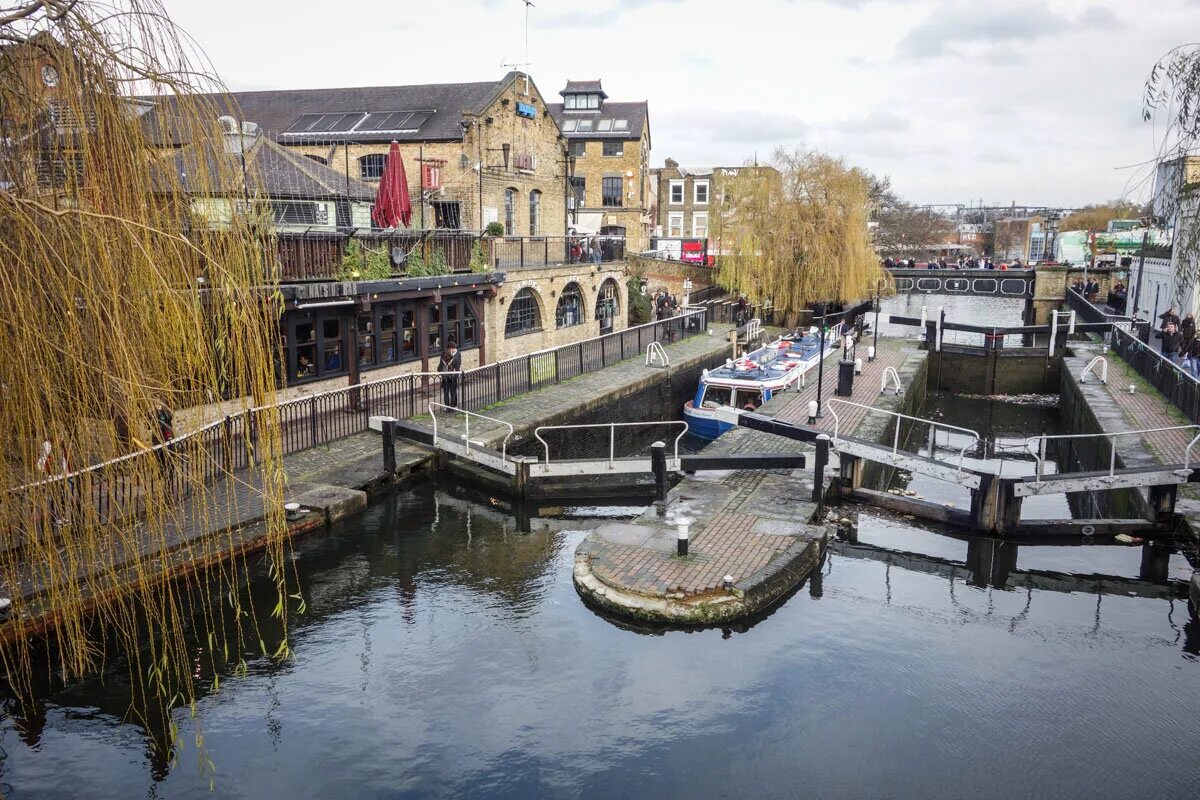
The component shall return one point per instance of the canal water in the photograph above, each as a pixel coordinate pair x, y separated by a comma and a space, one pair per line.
998, 311
446, 654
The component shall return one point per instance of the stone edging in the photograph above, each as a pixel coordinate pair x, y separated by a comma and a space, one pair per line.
749, 595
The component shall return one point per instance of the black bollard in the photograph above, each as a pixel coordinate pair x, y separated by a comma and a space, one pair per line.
845, 386
389, 447
658, 465
819, 468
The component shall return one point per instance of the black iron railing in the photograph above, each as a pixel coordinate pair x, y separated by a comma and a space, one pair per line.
125, 487
520, 252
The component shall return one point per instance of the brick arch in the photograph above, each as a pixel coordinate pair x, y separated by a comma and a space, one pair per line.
518, 313
583, 318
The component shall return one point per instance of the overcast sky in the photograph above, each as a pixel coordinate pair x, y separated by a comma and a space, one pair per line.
956, 100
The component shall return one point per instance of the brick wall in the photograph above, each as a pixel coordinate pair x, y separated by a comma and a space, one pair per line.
547, 284
669, 275
633, 169
483, 141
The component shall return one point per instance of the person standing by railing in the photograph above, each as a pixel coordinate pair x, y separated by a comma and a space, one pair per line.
450, 364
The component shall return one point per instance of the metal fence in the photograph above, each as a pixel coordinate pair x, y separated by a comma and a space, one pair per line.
1178, 385
122, 487
517, 252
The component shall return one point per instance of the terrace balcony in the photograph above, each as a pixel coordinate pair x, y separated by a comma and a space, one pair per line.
317, 256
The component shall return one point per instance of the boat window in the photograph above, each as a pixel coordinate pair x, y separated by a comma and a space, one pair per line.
715, 396
749, 398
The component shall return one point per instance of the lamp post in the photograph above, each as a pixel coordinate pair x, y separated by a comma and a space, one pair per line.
820, 358
878, 302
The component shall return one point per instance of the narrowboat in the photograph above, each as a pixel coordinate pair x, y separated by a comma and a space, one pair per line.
753, 379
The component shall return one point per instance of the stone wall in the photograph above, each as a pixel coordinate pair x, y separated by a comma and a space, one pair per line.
547, 285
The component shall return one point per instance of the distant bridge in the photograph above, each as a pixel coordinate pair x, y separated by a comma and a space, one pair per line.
970, 282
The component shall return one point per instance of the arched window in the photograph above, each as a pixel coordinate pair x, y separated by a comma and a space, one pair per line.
510, 212
318, 159
608, 305
535, 212
524, 315
570, 307
370, 166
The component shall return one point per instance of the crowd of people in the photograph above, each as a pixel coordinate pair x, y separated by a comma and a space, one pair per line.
665, 305
1180, 345
962, 262
586, 249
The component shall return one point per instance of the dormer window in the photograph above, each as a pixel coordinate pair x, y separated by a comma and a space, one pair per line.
581, 102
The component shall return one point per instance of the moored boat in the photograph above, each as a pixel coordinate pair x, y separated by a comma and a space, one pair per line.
753, 379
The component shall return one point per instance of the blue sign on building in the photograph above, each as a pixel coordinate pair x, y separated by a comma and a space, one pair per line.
526, 110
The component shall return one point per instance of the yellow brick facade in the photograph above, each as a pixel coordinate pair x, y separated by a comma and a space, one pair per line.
547, 285
483, 142
633, 167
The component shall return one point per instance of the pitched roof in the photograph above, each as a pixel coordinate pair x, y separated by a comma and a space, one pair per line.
360, 114
583, 86
637, 113
277, 171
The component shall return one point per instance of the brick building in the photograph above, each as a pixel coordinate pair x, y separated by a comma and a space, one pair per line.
474, 153
1025, 238
689, 197
609, 145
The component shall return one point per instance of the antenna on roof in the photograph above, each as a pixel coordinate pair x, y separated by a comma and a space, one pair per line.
525, 65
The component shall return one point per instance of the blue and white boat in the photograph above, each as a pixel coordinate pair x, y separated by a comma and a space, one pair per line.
753, 379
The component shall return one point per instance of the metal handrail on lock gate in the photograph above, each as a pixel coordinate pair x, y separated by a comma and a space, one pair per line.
467, 423
612, 435
962, 453
1040, 453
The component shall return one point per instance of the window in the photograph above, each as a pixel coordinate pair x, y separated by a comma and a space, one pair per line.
578, 149
332, 358
510, 212
604, 125
447, 214
535, 211
675, 224
607, 305
523, 316
568, 125
584, 125
593, 101
700, 224
366, 340
621, 125
408, 333
299, 212
318, 159
58, 170
701, 193
435, 328
577, 189
387, 333
570, 307
676, 193
370, 167
611, 189
569, 101
614, 148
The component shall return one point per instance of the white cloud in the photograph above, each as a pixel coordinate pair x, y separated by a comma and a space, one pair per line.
955, 100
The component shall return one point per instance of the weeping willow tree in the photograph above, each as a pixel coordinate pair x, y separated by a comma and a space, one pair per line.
796, 232
116, 307
1171, 100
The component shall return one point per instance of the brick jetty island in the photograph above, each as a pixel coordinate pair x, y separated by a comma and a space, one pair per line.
753, 535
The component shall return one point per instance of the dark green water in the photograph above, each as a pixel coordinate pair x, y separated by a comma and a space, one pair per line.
445, 654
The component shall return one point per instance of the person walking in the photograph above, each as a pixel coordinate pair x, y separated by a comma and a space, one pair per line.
451, 364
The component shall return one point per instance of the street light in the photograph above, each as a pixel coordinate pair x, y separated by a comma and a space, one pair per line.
820, 358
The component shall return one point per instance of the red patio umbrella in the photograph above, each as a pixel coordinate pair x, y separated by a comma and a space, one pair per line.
392, 205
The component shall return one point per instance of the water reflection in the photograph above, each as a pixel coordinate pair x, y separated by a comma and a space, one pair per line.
446, 654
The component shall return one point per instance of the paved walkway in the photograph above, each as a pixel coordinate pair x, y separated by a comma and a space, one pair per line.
750, 525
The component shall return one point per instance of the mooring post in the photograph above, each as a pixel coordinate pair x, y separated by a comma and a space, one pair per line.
520, 481
819, 468
389, 447
1162, 502
658, 464
995, 508
851, 468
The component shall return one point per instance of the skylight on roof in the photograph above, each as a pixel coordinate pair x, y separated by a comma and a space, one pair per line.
568, 125
604, 125
585, 125
620, 125
359, 122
